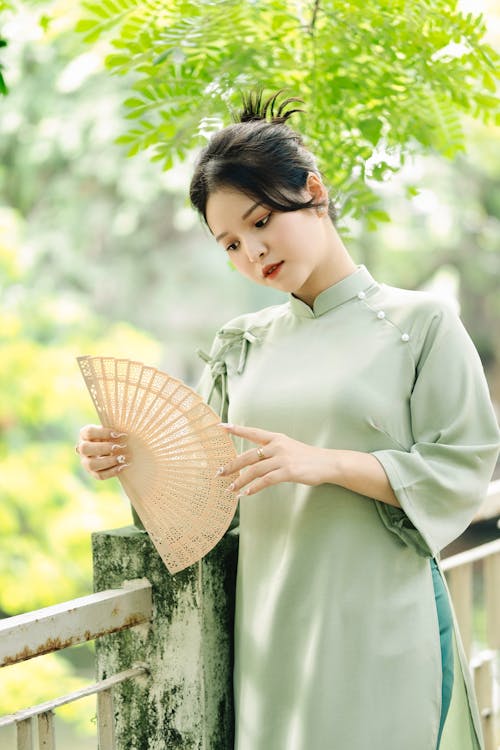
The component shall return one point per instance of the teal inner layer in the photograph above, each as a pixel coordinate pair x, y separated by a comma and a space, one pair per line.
445, 620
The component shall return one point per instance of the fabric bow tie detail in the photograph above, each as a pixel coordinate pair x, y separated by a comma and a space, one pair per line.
218, 363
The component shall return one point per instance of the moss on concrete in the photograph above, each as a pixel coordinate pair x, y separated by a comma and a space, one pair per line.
186, 701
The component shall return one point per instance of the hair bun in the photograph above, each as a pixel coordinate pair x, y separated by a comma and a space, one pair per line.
255, 109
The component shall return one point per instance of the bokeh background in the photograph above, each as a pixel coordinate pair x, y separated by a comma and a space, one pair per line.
101, 254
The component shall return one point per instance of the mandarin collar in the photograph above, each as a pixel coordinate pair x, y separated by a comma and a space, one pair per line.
357, 282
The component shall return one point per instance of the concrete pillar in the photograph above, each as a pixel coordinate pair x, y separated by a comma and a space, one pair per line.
186, 701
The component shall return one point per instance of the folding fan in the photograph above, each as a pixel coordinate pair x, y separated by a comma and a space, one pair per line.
176, 448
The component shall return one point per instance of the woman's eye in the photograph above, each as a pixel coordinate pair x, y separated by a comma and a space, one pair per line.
232, 246
262, 222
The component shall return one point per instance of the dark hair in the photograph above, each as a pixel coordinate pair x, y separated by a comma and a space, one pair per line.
263, 158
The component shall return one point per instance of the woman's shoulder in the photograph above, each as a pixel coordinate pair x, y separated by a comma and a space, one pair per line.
417, 301
428, 319
258, 320
417, 309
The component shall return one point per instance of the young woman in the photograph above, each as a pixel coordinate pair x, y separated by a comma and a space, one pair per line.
367, 443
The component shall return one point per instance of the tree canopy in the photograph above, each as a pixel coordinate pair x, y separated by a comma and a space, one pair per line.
381, 78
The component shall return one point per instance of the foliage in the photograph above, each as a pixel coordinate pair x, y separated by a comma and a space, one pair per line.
381, 78
4, 6
48, 505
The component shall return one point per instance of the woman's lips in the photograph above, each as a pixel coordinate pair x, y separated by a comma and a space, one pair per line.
272, 270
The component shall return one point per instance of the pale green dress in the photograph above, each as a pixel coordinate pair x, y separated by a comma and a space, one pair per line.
336, 637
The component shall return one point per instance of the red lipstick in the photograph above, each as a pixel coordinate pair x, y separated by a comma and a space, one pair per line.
272, 270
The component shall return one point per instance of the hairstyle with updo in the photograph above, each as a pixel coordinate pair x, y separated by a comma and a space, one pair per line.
259, 155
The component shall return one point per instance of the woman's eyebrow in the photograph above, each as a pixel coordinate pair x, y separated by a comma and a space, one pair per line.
252, 208
245, 216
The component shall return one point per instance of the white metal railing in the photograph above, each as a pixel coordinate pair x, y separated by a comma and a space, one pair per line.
459, 574
53, 628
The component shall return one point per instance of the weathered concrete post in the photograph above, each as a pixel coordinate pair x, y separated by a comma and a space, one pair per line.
186, 701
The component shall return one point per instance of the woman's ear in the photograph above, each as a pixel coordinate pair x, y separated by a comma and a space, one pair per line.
316, 189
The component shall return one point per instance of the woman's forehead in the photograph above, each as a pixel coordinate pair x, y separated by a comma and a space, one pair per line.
226, 205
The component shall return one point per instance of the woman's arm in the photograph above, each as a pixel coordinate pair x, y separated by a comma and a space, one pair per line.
279, 458
361, 473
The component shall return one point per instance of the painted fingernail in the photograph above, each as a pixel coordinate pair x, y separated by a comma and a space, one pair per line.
118, 434
117, 446
123, 466
219, 471
121, 459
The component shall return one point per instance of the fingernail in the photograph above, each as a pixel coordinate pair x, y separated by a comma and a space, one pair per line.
231, 487
118, 434
123, 466
115, 446
219, 471
226, 424
121, 459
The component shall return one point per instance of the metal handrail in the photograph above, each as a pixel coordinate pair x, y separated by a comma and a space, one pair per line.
97, 687
68, 623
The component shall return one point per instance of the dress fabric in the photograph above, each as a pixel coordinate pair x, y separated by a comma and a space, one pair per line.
337, 642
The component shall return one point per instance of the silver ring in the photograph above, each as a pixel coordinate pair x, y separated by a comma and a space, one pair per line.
260, 453
121, 459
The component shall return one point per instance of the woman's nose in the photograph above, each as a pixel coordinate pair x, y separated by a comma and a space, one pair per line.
255, 252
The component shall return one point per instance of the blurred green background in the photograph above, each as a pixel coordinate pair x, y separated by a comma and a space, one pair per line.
101, 254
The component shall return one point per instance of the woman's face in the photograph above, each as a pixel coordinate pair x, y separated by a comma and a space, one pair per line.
290, 251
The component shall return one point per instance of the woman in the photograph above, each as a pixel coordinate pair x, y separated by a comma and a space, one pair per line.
367, 442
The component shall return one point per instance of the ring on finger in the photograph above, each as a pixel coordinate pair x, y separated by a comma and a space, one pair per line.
121, 459
260, 453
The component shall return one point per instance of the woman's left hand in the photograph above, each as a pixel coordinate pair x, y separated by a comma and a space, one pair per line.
277, 458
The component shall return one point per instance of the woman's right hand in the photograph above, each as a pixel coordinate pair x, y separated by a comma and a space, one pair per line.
102, 451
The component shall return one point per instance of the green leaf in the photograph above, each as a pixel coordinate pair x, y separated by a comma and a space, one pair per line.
84, 25
378, 216
133, 102
371, 129
161, 58
98, 10
116, 61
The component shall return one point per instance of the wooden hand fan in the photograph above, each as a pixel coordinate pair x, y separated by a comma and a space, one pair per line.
176, 448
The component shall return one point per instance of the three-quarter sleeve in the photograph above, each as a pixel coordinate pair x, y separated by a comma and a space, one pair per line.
441, 481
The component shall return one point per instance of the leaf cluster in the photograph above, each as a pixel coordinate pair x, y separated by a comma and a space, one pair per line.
382, 79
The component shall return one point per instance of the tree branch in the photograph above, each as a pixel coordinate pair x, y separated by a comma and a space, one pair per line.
314, 16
